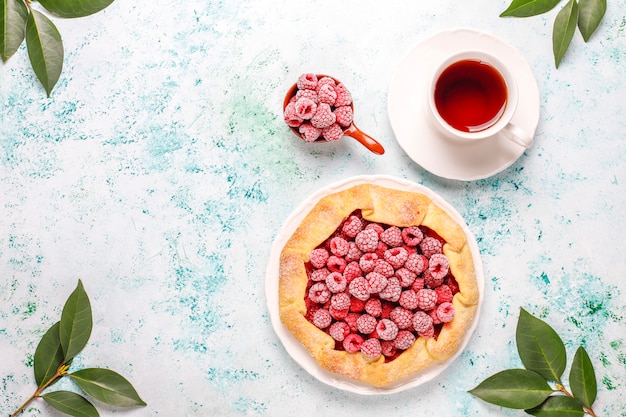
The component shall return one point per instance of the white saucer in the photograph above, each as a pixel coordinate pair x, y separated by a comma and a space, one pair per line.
410, 119
296, 350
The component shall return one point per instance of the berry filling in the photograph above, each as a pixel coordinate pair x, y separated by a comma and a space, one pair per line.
376, 288
321, 109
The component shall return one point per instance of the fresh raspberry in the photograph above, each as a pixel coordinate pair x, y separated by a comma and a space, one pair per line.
352, 226
386, 329
381, 249
354, 253
412, 235
325, 81
445, 312
392, 290
338, 314
319, 274
350, 320
430, 332
310, 94
322, 318
306, 108
309, 132
319, 293
404, 340
430, 246
387, 309
410, 249
367, 262
444, 294
332, 133
366, 324
344, 98
290, 116
326, 94
405, 277
433, 315
371, 348
432, 281
367, 240
416, 263
387, 348
319, 257
340, 301
396, 257
307, 81
376, 227
323, 116
408, 299
344, 116
356, 305
311, 308
336, 282
426, 299
339, 246
336, 264
402, 317
339, 330
418, 284
376, 282
352, 271
392, 236
359, 288
373, 307
438, 265
451, 282
422, 321
352, 343
384, 268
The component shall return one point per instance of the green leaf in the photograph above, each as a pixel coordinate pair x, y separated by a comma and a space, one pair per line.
564, 28
70, 403
582, 378
45, 49
13, 16
48, 355
107, 386
513, 388
558, 406
540, 348
526, 8
74, 8
590, 14
76, 323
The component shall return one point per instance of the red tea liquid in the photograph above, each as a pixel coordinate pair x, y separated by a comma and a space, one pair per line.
470, 95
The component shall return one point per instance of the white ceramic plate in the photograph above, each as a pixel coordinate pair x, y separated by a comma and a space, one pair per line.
296, 349
410, 120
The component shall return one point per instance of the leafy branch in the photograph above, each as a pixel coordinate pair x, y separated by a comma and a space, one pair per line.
584, 14
544, 357
19, 21
53, 358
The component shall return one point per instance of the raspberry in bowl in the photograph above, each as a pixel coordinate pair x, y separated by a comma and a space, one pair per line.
319, 108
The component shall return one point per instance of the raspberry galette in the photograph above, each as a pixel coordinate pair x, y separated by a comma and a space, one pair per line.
378, 284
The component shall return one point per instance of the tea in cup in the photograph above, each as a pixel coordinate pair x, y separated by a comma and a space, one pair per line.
473, 96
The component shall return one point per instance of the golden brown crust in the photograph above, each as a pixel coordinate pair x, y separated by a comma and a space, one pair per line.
393, 207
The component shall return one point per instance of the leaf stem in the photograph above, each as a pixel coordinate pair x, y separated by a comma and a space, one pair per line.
61, 372
561, 388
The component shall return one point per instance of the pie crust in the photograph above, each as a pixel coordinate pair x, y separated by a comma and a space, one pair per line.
393, 207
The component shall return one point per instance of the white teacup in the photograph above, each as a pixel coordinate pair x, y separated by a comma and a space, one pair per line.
473, 96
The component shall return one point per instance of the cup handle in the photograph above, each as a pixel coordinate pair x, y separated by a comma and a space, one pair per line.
517, 135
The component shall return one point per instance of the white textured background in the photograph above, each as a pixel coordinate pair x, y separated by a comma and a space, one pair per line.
160, 171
